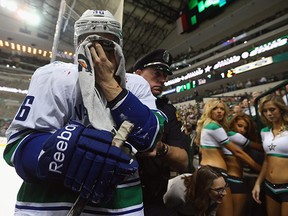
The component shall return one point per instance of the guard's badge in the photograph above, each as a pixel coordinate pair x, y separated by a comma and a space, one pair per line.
165, 56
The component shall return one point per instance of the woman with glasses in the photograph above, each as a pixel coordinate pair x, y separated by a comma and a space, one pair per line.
198, 194
212, 137
243, 132
274, 172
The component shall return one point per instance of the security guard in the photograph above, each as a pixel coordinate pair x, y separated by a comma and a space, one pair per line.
171, 154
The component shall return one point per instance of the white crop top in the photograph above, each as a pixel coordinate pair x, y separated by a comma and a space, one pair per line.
275, 146
213, 136
237, 138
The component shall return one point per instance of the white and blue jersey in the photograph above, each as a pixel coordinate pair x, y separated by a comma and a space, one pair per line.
53, 99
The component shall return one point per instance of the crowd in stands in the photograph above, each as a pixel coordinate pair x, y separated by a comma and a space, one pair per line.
230, 87
233, 86
189, 114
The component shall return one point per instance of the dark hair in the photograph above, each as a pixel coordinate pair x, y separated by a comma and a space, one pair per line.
252, 130
198, 187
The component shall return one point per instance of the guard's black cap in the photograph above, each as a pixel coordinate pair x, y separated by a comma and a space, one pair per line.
160, 59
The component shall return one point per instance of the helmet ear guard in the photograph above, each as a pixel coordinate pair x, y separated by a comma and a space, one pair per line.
97, 22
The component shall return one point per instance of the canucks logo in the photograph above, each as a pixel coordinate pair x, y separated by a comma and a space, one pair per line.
83, 63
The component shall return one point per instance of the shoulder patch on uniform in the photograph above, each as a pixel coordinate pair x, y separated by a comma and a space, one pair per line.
266, 129
212, 126
231, 133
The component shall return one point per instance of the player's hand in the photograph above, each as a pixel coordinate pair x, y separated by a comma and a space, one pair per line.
86, 162
104, 62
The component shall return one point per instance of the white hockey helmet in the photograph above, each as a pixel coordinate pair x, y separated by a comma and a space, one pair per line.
97, 22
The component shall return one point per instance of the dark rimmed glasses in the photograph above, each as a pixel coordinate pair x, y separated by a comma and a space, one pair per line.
220, 190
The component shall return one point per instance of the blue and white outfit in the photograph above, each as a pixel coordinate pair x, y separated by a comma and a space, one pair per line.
54, 98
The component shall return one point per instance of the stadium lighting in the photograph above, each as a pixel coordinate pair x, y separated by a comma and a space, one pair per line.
31, 18
8, 4
34, 50
14, 90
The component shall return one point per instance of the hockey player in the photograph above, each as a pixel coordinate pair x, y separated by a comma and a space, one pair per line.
60, 139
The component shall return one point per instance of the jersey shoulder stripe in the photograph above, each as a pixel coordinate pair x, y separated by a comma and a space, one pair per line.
212, 126
266, 129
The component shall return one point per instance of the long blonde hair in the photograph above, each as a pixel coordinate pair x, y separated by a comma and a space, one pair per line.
277, 101
206, 117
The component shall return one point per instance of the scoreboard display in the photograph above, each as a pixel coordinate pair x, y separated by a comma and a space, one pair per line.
209, 78
197, 11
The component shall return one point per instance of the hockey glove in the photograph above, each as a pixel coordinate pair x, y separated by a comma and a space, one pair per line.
87, 162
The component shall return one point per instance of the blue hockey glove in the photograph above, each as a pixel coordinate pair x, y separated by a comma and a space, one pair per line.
86, 161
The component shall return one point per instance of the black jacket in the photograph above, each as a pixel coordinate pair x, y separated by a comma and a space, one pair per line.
154, 173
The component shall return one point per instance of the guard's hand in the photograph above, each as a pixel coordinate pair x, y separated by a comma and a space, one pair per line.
152, 153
